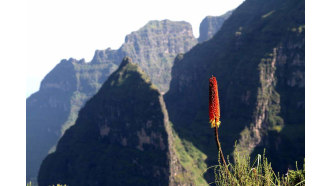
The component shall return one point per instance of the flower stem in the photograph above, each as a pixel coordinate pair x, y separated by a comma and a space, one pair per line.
219, 147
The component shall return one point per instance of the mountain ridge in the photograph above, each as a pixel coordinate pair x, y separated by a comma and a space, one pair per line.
210, 25
72, 82
113, 138
241, 55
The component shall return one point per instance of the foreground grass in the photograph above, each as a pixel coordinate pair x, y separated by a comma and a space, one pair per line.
241, 172
30, 184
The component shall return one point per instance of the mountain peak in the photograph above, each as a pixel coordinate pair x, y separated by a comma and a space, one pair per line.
159, 29
118, 131
127, 70
70, 84
126, 61
211, 25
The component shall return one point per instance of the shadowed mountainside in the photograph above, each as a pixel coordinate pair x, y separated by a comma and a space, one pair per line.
54, 108
258, 59
122, 137
211, 25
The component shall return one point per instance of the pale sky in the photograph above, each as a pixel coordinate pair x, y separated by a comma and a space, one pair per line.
76, 28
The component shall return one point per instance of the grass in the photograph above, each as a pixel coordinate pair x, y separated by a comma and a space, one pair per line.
192, 160
30, 184
241, 172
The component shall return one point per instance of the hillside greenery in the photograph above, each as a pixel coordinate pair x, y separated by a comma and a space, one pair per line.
244, 171
65, 90
258, 59
119, 137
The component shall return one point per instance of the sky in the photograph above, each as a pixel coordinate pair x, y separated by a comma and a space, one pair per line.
63, 29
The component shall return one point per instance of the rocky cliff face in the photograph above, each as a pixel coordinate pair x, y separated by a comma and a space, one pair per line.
45, 110
279, 115
122, 137
258, 59
154, 48
54, 108
211, 25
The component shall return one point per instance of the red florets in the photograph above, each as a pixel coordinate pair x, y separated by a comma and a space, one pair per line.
214, 106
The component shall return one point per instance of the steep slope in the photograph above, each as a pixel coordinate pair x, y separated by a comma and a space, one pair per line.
44, 110
54, 108
211, 25
122, 137
154, 48
258, 59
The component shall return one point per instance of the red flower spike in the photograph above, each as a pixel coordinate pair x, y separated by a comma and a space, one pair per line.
214, 106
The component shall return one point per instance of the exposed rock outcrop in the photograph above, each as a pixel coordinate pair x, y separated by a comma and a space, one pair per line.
122, 137
211, 25
258, 60
54, 108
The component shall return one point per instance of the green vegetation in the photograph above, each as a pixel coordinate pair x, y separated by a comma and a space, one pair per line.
257, 87
77, 101
154, 47
64, 91
258, 56
300, 29
119, 137
30, 184
259, 173
192, 160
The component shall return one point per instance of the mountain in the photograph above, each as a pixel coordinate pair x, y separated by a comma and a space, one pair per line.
154, 48
122, 137
258, 58
63, 91
45, 110
211, 25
